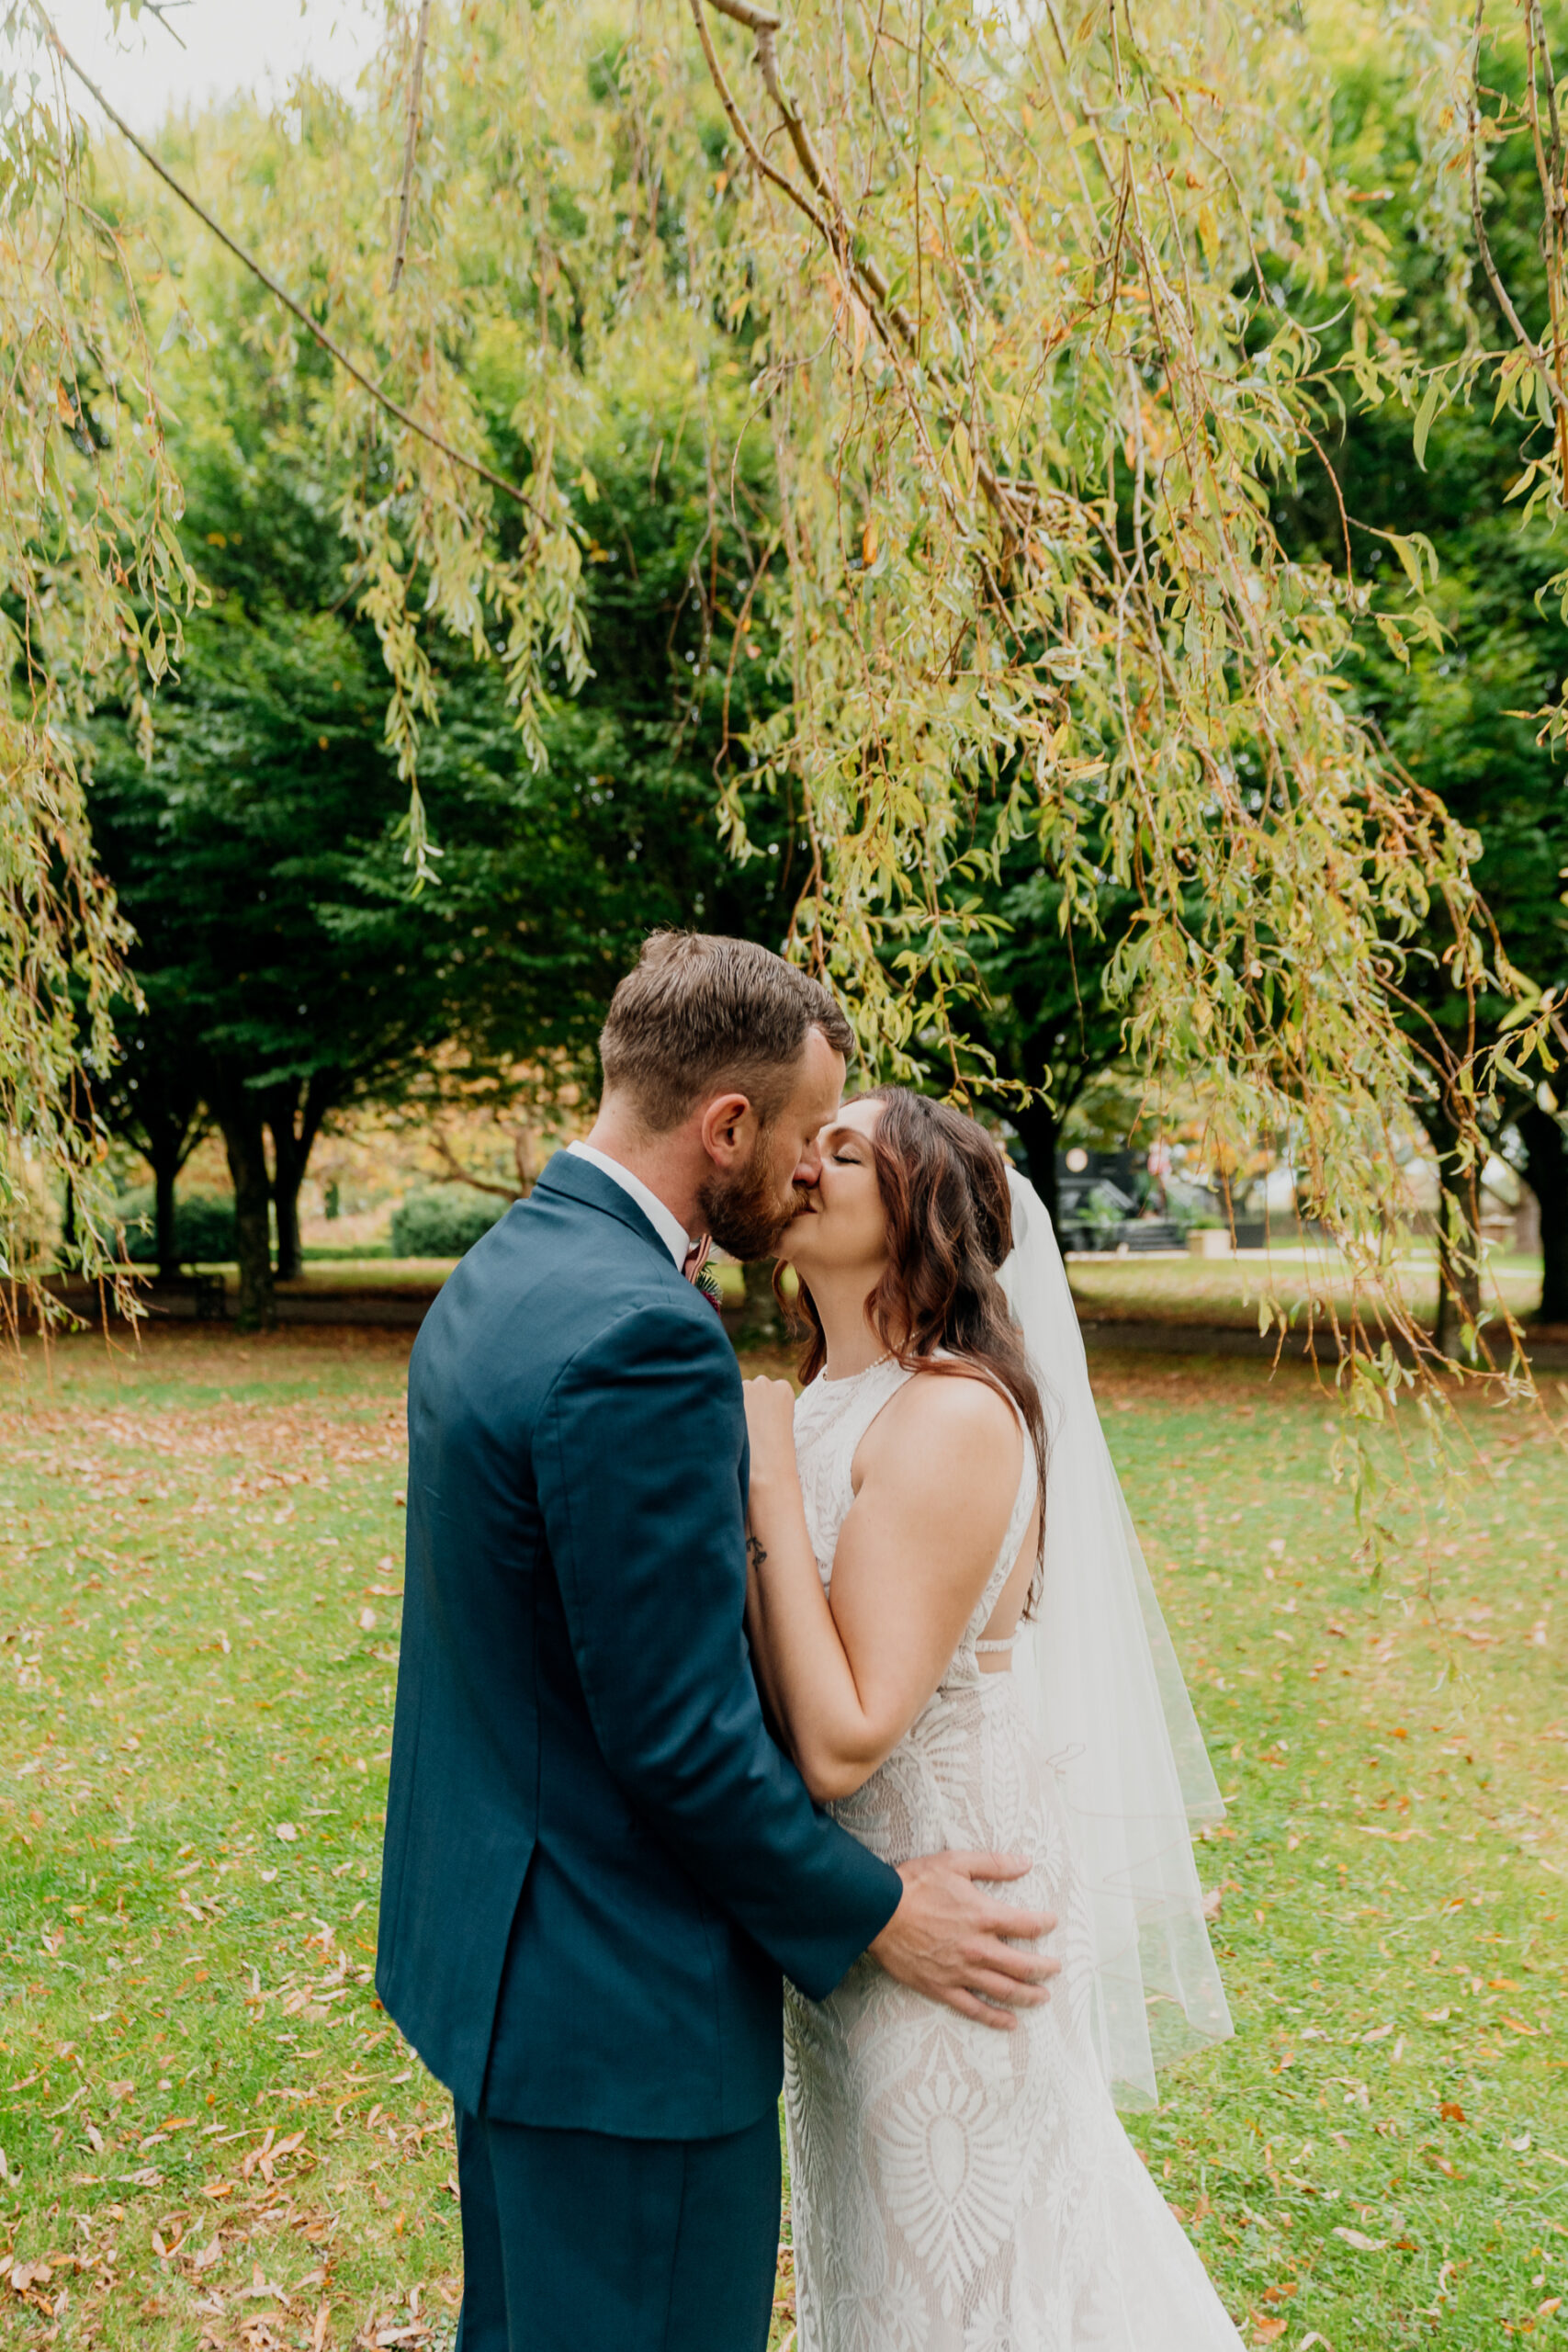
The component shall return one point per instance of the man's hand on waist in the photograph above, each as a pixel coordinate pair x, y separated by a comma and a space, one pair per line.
954, 1942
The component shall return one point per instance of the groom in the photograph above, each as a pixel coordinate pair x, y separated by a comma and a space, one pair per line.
598, 1865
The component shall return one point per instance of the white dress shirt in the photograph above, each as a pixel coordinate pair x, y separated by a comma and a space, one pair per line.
665, 1223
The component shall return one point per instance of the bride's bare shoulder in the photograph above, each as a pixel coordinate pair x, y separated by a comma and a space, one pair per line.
950, 1416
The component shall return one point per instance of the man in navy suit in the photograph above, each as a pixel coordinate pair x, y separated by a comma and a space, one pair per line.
598, 1864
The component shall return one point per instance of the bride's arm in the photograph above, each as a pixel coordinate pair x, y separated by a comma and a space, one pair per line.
939, 1469
761, 1656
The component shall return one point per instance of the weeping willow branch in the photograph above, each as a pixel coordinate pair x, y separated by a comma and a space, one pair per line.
993, 285
1033, 595
280, 294
1522, 335
411, 143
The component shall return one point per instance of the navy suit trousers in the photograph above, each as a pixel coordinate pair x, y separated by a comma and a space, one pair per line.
579, 2242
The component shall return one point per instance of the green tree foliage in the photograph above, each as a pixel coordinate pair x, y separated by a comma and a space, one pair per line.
1464, 716
262, 855
1047, 1022
1031, 303
278, 976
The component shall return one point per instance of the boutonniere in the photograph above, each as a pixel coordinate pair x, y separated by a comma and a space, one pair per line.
702, 1273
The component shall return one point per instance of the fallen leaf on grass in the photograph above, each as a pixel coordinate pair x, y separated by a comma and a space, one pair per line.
1451, 2111
263, 2159
205, 2256
287, 1831
1359, 2240
1269, 2331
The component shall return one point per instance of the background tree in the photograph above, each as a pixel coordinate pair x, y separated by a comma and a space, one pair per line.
236, 853
1048, 1024
1031, 309
153, 1100
262, 855
1458, 714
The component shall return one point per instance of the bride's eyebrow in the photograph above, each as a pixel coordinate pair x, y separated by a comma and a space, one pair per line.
851, 1134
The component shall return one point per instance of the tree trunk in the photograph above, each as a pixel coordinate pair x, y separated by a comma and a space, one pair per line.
240, 1118
171, 1124
1038, 1128
761, 1324
1546, 1174
294, 1120
286, 1199
1458, 1235
163, 1173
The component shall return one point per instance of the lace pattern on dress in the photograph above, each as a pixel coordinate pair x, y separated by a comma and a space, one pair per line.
953, 2188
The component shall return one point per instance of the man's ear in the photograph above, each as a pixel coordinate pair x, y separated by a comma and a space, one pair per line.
725, 1127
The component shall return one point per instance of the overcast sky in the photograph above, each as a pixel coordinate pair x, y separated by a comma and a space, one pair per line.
255, 45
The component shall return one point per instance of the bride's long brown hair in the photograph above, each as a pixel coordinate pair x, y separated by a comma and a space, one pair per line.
943, 1185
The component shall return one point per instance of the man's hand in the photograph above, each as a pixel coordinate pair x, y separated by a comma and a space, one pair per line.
953, 1941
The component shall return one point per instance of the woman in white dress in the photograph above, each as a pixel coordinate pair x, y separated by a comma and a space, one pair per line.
953, 1668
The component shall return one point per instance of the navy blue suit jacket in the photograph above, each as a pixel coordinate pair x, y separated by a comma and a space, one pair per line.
598, 1864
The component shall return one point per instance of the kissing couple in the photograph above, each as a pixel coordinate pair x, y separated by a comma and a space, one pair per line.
740, 1739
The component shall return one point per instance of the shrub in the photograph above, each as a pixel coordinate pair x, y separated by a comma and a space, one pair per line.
443, 1224
204, 1228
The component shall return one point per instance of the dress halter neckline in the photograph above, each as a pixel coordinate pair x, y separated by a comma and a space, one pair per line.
849, 1379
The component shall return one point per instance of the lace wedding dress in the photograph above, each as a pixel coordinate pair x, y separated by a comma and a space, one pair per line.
954, 2189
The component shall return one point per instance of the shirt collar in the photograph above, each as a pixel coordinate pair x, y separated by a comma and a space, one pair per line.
667, 1226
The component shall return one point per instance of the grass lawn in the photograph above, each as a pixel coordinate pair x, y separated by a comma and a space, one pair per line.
212, 2137
1169, 1289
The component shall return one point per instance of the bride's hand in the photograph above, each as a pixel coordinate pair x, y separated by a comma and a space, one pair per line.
769, 1424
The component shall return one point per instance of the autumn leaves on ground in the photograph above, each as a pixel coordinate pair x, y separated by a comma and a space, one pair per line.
213, 2137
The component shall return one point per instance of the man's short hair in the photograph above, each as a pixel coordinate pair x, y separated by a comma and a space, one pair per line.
699, 1015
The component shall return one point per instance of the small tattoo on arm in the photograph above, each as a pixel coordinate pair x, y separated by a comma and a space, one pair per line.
755, 1555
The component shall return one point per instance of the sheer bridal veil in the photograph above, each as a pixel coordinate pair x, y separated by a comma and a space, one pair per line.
1112, 1708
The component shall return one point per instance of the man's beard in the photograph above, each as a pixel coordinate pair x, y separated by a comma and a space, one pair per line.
744, 1214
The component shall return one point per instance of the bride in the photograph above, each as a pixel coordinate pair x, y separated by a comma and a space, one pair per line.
952, 1665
